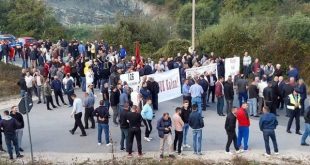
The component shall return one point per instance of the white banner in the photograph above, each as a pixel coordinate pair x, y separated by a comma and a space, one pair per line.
169, 84
232, 67
201, 70
132, 80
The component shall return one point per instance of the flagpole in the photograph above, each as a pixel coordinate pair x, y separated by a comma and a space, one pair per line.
193, 25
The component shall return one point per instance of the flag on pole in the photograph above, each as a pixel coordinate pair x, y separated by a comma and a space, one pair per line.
138, 56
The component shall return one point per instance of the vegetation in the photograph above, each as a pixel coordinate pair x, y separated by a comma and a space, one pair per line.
9, 75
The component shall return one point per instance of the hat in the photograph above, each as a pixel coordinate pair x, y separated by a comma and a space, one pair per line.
297, 90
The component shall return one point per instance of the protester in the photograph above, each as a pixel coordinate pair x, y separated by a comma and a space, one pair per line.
244, 125
196, 91
178, 126
8, 126
77, 111
303, 93
307, 127
268, 97
195, 121
242, 89
47, 90
212, 80
252, 101
88, 103
230, 127
147, 115
164, 127
229, 94
267, 124
153, 87
69, 88
29, 83
19, 130
204, 84
294, 107
56, 85
185, 112
134, 119
124, 127
38, 81
114, 100
219, 93
247, 60
102, 114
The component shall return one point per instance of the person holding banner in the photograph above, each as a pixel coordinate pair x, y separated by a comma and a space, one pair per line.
196, 91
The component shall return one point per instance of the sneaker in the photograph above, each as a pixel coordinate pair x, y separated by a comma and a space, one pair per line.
140, 154
109, 144
184, 146
150, 138
239, 151
83, 135
276, 153
129, 156
21, 150
304, 144
71, 132
229, 153
19, 156
123, 149
180, 154
267, 155
147, 139
199, 153
99, 144
188, 146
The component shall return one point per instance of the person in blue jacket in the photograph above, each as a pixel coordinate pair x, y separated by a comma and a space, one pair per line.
122, 52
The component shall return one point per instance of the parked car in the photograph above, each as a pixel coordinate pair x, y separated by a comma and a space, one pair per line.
8, 37
27, 41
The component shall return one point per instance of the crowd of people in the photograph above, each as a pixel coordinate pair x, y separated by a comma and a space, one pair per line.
63, 67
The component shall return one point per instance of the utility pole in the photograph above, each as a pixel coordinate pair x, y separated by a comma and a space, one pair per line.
193, 25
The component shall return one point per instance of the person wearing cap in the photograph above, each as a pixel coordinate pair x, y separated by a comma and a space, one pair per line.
294, 106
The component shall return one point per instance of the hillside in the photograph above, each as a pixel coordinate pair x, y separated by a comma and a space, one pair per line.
96, 12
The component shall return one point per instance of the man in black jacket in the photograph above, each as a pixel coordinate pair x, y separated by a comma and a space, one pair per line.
8, 126
153, 86
204, 84
307, 127
114, 100
124, 127
268, 97
195, 121
134, 119
102, 114
19, 131
230, 127
229, 94
22, 85
275, 89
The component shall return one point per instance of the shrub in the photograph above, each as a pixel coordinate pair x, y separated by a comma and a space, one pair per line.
172, 48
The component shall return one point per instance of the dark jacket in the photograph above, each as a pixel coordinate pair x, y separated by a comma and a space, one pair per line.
185, 114
161, 125
230, 123
19, 118
204, 84
56, 85
153, 87
146, 93
195, 120
122, 120
102, 112
214, 78
229, 90
22, 83
253, 91
8, 125
268, 94
303, 91
268, 121
114, 98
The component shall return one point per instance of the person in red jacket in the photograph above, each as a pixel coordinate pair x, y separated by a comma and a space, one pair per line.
244, 125
67, 69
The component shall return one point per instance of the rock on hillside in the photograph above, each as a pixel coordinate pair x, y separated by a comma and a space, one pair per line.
95, 12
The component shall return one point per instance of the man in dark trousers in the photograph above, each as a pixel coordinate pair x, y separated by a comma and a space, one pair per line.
102, 114
153, 86
134, 119
212, 80
268, 97
19, 131
124, 127
57, 86
77, 113
268, 123
8, 126
229, 94
204, 84
294, 107
89, 102
307, 127
230, 127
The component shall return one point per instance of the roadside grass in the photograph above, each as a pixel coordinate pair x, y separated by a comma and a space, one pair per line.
9, 75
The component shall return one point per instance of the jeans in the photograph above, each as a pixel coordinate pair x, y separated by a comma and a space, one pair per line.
83, 83
243, 133
22, 93
253, 106
197, 137
105, 128
220, 105
9, 138
260, 104
270, 133
124, 137
25, 63
39, 92
229, 106
197, 100
243, 97
19, 135
185, 131
306, 133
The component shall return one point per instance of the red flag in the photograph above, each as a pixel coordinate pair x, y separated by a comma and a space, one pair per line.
138, 56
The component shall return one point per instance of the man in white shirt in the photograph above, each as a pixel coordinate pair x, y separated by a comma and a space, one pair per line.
77, 113
29, 83
261, 86
247, 60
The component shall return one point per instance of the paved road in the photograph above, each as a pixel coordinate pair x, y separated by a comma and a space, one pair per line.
50, 132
